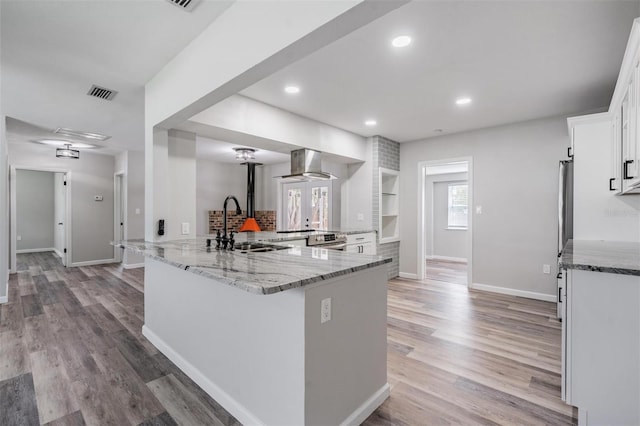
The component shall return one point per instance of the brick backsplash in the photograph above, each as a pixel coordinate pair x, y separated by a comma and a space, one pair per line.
265, 218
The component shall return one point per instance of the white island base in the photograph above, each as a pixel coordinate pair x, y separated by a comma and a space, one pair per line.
268, 359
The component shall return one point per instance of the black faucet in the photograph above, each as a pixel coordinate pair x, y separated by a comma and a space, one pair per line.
225, 237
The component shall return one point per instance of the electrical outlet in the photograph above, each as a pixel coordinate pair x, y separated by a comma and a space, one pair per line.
546, 269
19, 237
360, 216
137, 211
325, 310
185, 228
478, 209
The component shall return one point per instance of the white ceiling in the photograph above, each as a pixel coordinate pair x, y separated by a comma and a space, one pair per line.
517, 60
53, 51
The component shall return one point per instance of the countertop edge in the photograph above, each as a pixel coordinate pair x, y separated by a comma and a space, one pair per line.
255, 289
595, 268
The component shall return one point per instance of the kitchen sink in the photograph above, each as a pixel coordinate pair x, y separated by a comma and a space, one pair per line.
253, 247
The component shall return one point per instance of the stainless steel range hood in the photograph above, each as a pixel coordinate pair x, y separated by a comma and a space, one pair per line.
306, 166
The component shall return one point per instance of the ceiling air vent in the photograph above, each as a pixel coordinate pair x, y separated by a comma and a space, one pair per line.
102, 93
184, 4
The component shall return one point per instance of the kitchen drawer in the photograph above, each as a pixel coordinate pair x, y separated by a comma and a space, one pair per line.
369, 237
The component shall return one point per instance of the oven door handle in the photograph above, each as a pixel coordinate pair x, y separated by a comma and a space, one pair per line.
333, 246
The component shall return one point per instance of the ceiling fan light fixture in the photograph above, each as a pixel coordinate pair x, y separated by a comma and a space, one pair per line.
245, 154
67, 152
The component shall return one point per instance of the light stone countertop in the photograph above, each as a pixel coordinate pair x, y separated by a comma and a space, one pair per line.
615, 257
259, 273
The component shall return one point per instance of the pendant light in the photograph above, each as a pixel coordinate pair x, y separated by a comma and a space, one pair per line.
67, 152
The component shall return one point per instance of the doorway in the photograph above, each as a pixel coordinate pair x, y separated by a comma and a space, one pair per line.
119, 213
40, 218
306, 205
445, 237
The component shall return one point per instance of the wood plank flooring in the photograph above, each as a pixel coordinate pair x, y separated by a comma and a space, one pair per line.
458, 356
446, 271
72, 353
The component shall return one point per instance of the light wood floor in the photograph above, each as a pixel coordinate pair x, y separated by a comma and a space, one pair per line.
71, 353
446, 271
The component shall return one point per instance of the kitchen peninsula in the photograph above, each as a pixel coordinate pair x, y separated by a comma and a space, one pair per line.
292, 336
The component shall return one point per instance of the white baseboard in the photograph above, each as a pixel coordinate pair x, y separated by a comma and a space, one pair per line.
94, 262
232, 405
448, 258
38, 250
515, 292
408, 276
133, 265
369, 406
4, 299
58, 253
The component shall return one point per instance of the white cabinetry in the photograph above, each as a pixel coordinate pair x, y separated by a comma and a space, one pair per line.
389, 187
362, 243
625, 115
601, 347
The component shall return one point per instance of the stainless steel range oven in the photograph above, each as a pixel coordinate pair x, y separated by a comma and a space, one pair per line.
328, 240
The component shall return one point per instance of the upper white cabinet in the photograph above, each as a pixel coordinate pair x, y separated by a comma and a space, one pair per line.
389, 205
625, 117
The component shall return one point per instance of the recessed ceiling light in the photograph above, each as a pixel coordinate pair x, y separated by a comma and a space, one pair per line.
463, 101
370, 123
292, 89
401, 41
57, 142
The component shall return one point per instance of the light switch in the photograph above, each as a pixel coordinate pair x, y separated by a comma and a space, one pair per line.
478, 209
97, 198
137, 211
360, 216
185, 228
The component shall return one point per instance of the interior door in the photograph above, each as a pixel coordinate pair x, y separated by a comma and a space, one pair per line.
306, 205
60, 214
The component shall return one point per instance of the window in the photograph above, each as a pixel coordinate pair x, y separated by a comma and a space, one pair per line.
458, 206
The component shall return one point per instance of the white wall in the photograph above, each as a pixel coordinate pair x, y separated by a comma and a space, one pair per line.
446, 242
60, 209
92, 174
214, 181
34, 210
515, 181
358, 194
246, 116
181, 184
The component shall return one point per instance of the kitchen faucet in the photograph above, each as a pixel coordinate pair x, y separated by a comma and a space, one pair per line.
225, 238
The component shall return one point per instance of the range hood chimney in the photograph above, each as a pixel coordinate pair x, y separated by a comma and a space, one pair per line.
306, 166
250, 224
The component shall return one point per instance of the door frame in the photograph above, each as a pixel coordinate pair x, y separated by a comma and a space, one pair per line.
13, 267
306, 186
119, 206
423, 227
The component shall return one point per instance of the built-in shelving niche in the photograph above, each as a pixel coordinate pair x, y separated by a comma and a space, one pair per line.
389, 205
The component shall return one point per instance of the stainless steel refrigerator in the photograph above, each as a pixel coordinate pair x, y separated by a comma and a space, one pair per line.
565, 218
